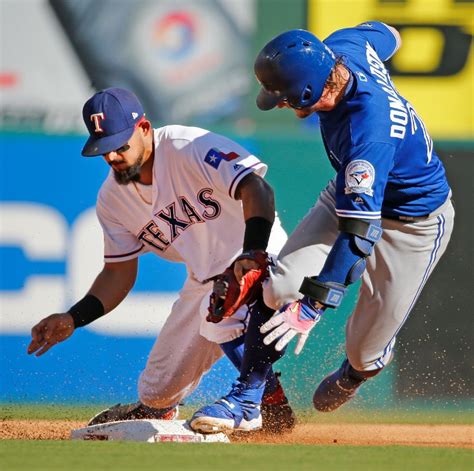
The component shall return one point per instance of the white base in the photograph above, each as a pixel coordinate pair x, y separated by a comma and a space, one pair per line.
151, 431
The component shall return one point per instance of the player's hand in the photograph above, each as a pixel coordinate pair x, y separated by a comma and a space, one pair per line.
50, 331
296, 318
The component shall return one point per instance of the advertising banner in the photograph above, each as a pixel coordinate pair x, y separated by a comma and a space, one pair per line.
51, 249
434, 68
187, 61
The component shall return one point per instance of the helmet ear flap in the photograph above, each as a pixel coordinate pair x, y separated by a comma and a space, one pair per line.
307, 95
301, 98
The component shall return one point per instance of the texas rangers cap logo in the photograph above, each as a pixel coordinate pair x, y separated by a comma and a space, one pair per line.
97, 118
360, 177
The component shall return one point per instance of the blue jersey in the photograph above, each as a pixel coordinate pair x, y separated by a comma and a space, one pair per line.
384, 157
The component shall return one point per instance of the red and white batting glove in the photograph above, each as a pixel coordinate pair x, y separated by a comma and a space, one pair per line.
296, 318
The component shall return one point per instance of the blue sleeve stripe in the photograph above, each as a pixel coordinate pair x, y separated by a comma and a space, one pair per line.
344, 213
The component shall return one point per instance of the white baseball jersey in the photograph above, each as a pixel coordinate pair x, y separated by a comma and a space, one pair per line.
189, 213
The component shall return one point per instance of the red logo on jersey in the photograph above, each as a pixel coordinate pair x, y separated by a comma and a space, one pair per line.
230, 156
97, 117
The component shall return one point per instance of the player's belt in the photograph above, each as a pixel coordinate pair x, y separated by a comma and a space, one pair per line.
408, 218
435, 213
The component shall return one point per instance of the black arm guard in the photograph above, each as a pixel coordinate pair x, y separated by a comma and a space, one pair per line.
330, 294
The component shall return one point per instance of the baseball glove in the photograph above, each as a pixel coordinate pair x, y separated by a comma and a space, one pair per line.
228, 294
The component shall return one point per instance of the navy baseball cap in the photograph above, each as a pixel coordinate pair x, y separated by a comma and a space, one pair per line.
293, 66
110, 116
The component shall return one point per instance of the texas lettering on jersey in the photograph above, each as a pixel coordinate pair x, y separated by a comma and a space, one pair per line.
154, 235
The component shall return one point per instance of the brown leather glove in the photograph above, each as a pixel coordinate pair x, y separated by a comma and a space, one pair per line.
228, 294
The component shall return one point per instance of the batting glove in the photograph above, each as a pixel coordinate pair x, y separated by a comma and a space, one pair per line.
296, 318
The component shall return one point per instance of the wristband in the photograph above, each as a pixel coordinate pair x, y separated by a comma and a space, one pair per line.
329, 293
257, 233
87, 310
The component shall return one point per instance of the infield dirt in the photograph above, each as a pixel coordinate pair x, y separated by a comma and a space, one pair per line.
455, 436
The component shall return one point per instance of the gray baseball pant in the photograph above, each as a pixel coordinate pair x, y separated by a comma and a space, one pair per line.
396, 272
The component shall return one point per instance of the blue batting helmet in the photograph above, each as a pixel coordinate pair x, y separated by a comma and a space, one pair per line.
293, 66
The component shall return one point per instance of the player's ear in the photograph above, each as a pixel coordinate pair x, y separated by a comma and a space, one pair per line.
326, 92
146, 127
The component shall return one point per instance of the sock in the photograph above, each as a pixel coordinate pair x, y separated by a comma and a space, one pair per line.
234, 351
361, 375
258, 357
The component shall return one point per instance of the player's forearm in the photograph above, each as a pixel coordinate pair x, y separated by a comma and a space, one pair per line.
257, 198
340, 261
258, 204
345, 263
112, 286
108, 290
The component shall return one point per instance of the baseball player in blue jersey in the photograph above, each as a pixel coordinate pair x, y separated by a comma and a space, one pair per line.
385, 219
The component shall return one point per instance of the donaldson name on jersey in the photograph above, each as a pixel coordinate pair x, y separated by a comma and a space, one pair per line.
379, 146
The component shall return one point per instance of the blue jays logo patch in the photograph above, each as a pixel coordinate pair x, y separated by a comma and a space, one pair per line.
215, 156
360, 176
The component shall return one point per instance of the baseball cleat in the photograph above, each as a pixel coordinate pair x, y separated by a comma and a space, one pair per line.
337, 388
237, 411
135, 411
277, 414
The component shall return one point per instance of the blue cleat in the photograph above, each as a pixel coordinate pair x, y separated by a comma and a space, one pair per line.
237, 411
337, 388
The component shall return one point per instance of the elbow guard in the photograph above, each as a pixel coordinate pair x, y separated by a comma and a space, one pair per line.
364, 236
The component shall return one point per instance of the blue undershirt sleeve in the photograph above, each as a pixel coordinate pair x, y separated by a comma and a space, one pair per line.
342, 257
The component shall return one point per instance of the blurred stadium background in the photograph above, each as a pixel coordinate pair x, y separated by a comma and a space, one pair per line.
190, 62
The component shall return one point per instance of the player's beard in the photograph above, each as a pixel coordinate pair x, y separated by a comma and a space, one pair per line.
130, 174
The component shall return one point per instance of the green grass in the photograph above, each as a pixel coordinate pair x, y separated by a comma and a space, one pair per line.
395, 416
391, 416
48, 411
49, 455
115, 456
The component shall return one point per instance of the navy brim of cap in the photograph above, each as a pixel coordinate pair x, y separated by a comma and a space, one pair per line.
266, 100
103, 145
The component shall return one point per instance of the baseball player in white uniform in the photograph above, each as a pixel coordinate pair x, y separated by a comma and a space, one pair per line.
188, 195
